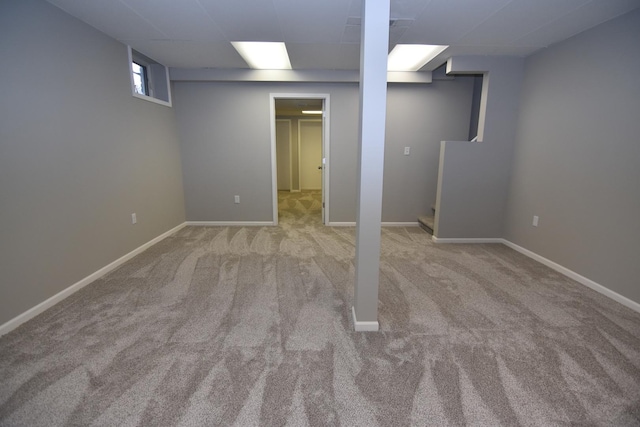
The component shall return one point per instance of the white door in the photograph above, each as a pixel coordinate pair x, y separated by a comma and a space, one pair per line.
310, 141
283, 153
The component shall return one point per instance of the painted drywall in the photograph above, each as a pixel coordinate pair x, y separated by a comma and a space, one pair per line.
577, 158
223, 157
473, 187
78, 155
419, 118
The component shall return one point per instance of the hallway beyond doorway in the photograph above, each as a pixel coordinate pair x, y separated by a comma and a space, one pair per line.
300, 149
300, 208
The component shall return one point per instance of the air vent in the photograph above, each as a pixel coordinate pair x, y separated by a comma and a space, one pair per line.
400, 23
393, 23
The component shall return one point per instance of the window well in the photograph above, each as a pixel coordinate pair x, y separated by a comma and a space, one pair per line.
149, 79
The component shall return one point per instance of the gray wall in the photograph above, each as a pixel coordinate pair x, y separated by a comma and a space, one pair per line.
577, 160
420, 117
474, 177
225, 137
78, 155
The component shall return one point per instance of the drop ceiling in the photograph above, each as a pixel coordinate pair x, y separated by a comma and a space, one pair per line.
325, 35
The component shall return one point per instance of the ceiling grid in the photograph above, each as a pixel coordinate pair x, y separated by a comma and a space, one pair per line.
326, 35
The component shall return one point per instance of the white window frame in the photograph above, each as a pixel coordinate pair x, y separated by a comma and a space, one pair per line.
149, 98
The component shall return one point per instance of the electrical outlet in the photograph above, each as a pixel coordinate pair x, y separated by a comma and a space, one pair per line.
535, 220
407, 151
236, 199
134, 218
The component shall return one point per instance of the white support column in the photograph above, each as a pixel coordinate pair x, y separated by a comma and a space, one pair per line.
374, 47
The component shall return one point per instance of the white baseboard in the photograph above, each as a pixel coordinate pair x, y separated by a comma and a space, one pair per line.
465, 240
553, 265
34, 311
231, 223
383, 224
575, 276
371, 326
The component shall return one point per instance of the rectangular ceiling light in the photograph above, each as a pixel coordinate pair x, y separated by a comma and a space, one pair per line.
412, 57
311, 111
264, 55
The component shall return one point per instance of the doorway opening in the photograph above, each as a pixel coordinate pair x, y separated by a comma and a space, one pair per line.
300, 158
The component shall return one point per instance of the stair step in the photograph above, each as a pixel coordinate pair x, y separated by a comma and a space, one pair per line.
426, 222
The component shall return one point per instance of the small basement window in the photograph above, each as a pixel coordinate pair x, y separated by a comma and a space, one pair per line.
139, 79
149, 79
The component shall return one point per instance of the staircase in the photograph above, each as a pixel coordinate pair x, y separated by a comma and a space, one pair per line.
426, 221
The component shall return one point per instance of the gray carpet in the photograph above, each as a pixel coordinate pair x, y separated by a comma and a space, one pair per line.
251, 326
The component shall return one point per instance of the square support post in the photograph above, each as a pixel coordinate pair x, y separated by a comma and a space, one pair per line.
374, 48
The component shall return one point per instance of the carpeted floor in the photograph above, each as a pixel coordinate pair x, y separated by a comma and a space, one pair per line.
251, 326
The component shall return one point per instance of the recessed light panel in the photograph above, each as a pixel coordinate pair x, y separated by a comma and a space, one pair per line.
264, 55
412, 57
311, 111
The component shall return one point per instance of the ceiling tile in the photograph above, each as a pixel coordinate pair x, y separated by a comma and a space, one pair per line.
399, 8
189, 54
469, 50
355, 8
111, 17
349, 57
517, 18
306, 56
312, 22
587, 16
445, 21
326, 34
407, 8
245, 20
351, 34
395, 34
184, 20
